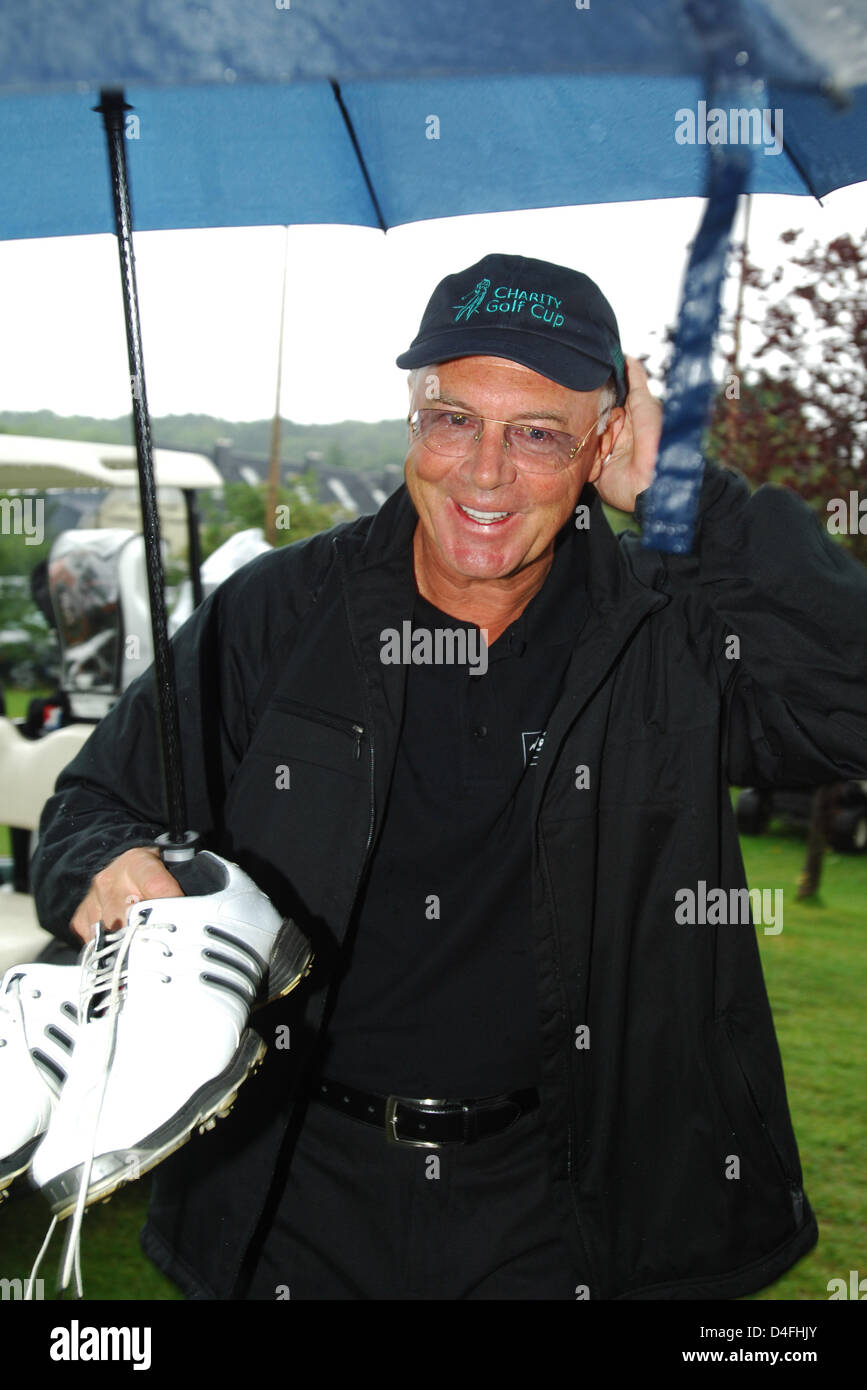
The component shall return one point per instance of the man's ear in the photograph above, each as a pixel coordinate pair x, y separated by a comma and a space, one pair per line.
606, 441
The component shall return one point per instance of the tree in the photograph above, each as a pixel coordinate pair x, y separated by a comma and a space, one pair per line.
796, 414
242, 506
792, 408
764, 432
801, 416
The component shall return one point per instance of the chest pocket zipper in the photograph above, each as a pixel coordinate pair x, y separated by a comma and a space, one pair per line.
331, 721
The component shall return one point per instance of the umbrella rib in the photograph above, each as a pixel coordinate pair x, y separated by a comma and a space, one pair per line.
338, 96
802, 171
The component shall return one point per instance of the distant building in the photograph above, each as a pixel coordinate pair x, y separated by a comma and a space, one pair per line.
357, 492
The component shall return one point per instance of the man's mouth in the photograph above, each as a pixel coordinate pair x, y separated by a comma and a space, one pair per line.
483, 518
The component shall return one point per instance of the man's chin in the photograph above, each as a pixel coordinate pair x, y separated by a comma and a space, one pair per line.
482, 561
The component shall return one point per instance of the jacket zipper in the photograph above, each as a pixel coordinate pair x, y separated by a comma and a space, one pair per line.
567, 1014
553, 755
331, 721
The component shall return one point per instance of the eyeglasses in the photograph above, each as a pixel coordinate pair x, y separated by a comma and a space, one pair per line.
532, 448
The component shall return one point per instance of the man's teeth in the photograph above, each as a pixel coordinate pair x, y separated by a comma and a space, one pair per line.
484, 517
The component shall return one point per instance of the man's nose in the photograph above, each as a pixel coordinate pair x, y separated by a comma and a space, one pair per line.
489, 462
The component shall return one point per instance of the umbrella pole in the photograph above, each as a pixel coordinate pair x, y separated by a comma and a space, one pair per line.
178, 843
274, 456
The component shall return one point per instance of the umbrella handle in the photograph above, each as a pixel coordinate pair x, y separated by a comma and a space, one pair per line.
173, 851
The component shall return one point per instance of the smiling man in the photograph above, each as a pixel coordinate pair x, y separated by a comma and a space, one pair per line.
495, 478
514, 1073
507, 429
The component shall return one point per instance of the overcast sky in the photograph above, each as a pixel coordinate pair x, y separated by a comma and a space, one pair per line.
210, 302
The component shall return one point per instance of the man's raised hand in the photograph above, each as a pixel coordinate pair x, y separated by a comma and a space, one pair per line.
631, 465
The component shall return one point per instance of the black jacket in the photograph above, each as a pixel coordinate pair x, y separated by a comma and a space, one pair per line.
280, 667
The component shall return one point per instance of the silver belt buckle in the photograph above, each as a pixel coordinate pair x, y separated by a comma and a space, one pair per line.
391, 1133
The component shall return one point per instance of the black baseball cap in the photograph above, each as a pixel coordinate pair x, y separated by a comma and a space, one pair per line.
549, 318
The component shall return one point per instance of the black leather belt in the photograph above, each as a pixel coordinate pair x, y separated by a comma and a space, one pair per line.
424, 1123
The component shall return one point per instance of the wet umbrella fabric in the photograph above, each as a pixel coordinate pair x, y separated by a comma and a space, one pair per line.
385, 113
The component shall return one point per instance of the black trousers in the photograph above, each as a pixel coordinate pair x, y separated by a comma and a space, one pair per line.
361, 1218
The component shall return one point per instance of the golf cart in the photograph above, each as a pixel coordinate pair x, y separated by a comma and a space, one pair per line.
97, 601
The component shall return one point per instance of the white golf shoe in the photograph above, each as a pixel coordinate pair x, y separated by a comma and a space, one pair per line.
163, 1045
38, 1028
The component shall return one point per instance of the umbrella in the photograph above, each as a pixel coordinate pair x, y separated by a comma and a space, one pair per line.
321, 111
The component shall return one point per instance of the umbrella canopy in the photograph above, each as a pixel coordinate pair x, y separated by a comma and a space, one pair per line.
383, 113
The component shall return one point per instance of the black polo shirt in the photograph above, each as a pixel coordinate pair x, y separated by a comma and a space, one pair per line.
439, 995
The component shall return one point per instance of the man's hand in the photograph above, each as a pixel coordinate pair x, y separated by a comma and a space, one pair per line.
134, 876
631, 465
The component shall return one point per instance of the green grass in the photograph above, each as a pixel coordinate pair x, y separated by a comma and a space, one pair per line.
112, 1265
816, 974
18, 700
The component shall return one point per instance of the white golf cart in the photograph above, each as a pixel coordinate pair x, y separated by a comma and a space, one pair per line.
97, 583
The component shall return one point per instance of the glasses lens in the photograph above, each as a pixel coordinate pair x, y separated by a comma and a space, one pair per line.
449, 431
538, 448
532, 447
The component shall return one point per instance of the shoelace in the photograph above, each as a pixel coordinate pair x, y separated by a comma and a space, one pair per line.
103, 977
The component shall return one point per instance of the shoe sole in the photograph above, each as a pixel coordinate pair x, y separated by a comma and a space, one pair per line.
116, 1169
16, 1164
291, 960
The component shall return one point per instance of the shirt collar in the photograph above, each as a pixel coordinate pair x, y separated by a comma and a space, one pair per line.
559, 610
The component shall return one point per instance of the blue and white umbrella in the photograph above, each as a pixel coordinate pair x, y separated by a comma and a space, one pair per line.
257, 112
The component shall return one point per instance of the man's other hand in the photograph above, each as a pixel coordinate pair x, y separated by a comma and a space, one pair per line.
631, 465
135, 875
